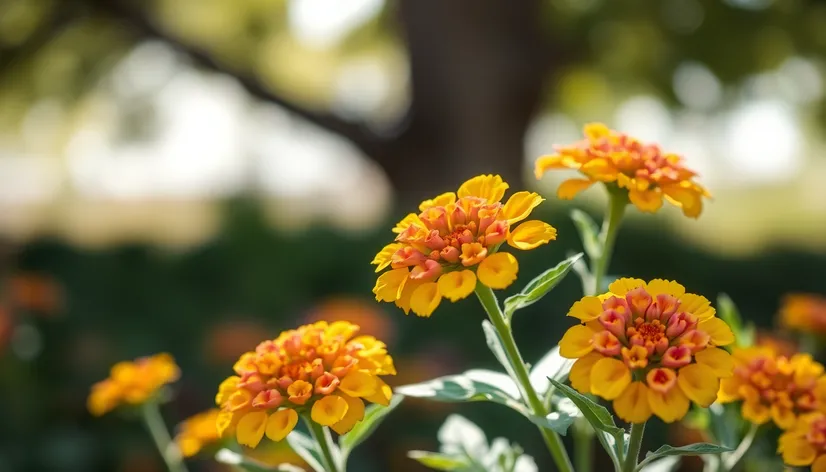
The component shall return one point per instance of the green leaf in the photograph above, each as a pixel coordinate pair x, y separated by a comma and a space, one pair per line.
373, 416
552, 365
596, 414
558, 421
728, 312
229, 457
540, 286
305, 447
665, 464
588, 233
438, 461
473, 385
495, 345
697, 449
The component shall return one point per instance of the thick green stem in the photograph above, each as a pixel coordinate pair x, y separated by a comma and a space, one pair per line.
634, 445
322, 437
157, 429
521, 376
583, 446
607, 237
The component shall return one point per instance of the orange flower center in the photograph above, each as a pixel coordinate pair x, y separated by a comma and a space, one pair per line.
817, 433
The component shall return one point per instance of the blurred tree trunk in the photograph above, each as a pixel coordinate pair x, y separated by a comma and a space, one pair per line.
477, 70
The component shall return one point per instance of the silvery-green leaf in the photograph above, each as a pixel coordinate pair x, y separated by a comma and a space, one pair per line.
556, 421
458, 435
437, 461
665, 464
306, 449
539, 286
373, 416
552, 365
588, 233
229, 457
696, 449
495, 344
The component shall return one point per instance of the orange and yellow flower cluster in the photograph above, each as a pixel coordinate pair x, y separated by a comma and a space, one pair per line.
132, 383
198, 432
319, 369
774, 387
804, 312
649, 347
805, 443
442, 251
644, 170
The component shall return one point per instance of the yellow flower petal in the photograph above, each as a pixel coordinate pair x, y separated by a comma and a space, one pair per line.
697, 305
600, 169
819, 465
580, 375
389, 284
587, 309
798, 452
408, 220
281, 423
721, 334
648, 201
686, 197
519, 206
729, 389
444, 199
755, 412
382, 259
407, 290
668, 287
425, 299
358, 384
224, 422
699, 384
609, 378
576, 342
355, 413
457, 285
595, 131
251, 428
670, 406
570, 188
382, 395
784, 418
718, 360
632, 405
624, 285
550, 162
498, 271
531, 234
329, 410
490, 187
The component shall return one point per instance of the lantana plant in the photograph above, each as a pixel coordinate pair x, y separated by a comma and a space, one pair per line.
635, 350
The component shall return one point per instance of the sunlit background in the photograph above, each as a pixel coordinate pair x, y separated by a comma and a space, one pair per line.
193, 176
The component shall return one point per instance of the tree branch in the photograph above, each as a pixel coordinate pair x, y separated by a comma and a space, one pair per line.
369, 143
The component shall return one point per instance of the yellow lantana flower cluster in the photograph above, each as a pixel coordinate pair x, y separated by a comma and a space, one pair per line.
804, 312
132, 383
774, 387
649, 347
453, 241
805, 443
644, 170
319, 369
197, 432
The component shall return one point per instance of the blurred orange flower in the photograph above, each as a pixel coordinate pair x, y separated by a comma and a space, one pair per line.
363, 313
37, 293
646, 172
804, 312
132, 383
197, 432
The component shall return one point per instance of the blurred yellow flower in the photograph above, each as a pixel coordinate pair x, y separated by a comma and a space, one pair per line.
319, 369
774, 387
443, 251
132, 383
197, 432
804, 312
805, 443
649, 347
646, 172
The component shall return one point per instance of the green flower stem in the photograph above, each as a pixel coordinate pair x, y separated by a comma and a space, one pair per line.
634, 445
583, 446
322, 437
608, 235
522, 378
153, 420
730, 461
